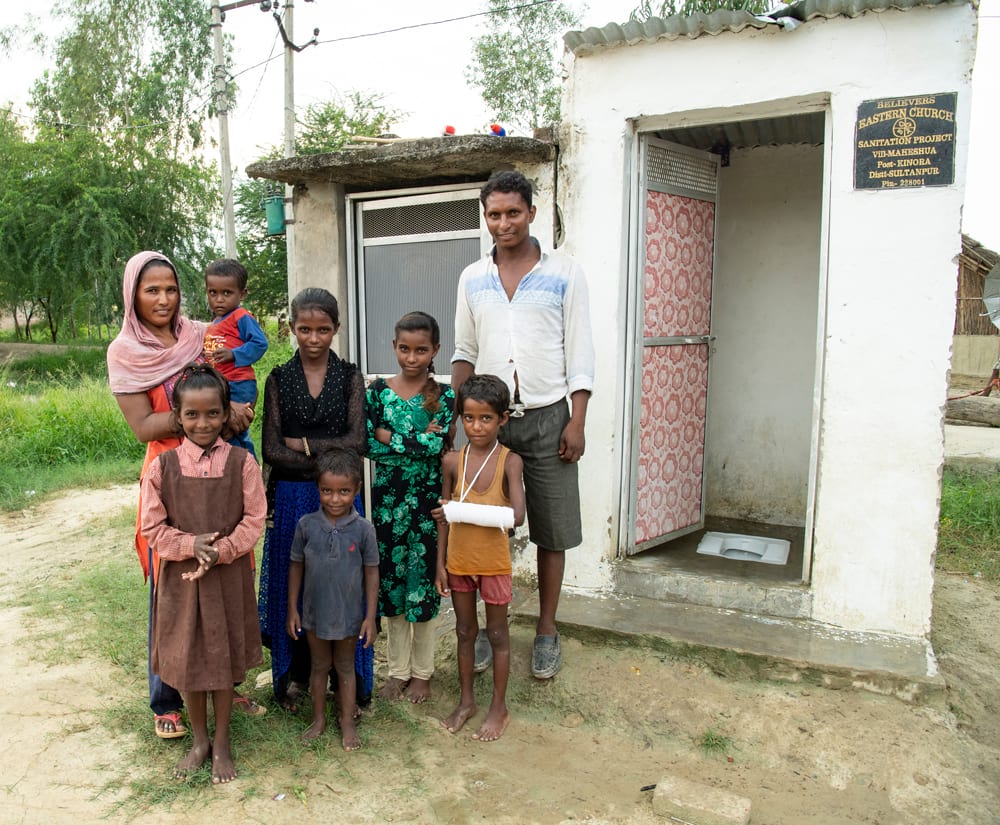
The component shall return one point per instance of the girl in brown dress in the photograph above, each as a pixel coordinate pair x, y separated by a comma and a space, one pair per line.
203, 508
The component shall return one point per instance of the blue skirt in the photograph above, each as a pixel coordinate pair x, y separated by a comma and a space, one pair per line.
292, 500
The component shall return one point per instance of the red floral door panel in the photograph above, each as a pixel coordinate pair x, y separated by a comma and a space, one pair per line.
677, 290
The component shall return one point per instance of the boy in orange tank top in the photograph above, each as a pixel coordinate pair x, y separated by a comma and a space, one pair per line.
472, 557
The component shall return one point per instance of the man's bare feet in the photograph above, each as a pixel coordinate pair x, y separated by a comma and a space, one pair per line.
459, 716
315, 730
392, 690
419, 690
349, 734
196, 757
493, 725
223, 769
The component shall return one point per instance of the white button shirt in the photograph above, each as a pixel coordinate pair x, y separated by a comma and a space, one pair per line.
543, 333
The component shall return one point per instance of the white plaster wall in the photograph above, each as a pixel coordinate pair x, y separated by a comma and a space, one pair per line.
883, 379
764, 308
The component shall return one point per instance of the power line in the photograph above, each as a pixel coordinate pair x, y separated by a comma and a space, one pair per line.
401, 29
203, 106
434, 22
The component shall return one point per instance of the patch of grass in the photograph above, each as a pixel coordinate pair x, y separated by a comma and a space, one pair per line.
47, 368
711, 741
67, 433
969, 535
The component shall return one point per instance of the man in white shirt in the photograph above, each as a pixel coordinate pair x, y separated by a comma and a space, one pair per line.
523, 315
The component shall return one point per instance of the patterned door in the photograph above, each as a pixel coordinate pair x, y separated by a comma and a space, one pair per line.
674, 318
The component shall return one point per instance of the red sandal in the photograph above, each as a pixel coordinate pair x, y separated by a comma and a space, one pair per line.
249, 706
174, 718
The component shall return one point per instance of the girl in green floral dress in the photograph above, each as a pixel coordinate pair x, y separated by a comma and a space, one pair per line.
409, 429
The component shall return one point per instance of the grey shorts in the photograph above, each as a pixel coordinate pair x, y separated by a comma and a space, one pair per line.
551, 487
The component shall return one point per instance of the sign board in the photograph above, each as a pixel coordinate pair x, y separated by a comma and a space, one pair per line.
902, 142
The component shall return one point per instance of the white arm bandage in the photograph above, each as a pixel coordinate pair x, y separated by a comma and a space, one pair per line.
485, 515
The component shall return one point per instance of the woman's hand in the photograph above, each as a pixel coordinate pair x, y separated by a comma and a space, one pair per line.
240, 417
220, 356
383, 436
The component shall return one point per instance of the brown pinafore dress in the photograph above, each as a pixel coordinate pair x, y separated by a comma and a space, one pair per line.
205, 632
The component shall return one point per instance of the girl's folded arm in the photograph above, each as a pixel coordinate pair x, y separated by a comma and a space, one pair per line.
354, 439
272, 442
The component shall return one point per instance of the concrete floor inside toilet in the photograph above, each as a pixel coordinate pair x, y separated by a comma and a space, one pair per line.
681, 553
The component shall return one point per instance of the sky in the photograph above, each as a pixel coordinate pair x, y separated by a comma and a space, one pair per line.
385, 47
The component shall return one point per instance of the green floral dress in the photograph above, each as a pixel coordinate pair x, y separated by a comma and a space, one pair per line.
405, 488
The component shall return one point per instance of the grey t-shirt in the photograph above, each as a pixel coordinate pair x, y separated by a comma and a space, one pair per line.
333, 578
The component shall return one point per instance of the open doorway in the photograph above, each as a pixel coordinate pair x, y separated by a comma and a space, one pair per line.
725, 400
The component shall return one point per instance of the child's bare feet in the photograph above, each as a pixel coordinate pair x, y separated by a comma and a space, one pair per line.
493, 725
459, 716
223, 769
315, 730
392, 691
196, 757
419, 690
349, 733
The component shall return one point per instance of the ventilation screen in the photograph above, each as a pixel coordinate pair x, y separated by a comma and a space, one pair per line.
678, 170
400, 278
422, 218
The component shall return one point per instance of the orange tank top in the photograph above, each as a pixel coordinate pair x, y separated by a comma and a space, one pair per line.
474, 550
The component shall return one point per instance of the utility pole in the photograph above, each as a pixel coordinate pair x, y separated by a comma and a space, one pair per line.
222, 106
287, 29
288, 34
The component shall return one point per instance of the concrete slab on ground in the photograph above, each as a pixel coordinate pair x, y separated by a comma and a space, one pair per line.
765, 646
971, 446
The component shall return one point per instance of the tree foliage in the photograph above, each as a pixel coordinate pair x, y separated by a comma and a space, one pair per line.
514, 63
112, 164
666, 8
329, 125
323, 127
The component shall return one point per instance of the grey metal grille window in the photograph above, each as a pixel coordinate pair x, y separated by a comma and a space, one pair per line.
422, 218
678, 170
411, 251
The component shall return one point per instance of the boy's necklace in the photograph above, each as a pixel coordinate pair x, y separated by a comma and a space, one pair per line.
463, 492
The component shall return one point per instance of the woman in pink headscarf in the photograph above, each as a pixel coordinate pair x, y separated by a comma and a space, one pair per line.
154, 345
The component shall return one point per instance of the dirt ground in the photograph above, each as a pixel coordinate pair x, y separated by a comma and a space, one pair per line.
578, 749
18, 352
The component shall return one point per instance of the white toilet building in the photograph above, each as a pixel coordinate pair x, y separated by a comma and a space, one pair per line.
768, 213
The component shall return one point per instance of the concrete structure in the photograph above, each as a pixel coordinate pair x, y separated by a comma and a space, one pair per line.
806, 268
795, 295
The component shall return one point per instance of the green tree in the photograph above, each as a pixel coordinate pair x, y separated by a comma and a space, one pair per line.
329, 125
323, 127
514, 63
114, 163
666, 8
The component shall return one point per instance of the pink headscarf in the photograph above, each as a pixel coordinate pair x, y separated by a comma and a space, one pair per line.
137, 361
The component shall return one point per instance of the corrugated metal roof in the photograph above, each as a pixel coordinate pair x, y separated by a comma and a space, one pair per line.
739, 134
695, 25
657, 28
